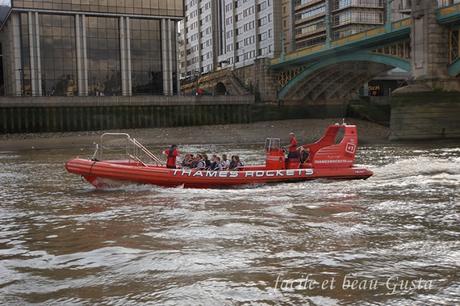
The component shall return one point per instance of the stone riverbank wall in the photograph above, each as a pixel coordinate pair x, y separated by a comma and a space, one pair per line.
61, 114
425, 115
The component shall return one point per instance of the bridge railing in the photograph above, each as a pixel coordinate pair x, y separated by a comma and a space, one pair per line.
448, 10
446, 3
449, 14
191, 84
358, 36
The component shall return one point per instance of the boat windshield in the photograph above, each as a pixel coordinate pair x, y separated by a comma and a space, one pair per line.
272, 144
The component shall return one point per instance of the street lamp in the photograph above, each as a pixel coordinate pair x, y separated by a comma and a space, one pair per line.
21, 73
196, 78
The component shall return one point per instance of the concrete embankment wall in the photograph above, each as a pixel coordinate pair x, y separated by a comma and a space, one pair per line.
268, 112
425, 115
374, 109
52, 114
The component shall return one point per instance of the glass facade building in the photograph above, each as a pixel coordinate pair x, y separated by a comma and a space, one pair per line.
132, 7
90, 48
58, 56
103, 47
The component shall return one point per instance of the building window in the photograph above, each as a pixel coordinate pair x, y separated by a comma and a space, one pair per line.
104, 74
311, 28
311, 42
25, 56
58, 55
147, 76
312, 12
340, 4
138, 7
358, 16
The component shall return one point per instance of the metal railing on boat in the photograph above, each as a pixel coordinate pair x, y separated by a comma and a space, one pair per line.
133, 149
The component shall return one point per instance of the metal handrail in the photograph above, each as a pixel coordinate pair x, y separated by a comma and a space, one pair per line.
137, 145
138, 159
146, 151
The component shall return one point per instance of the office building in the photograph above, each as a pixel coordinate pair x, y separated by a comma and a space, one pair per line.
90, 48
308, 23
228, 33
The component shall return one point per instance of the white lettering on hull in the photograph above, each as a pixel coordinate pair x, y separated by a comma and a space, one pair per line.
244, 174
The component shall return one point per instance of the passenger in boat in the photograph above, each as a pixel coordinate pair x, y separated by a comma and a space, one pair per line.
292, 149
236, 163
200, 163
304, 154
239, 163
217, 165
225, 162
232, 164
172, 154
206, 161
213, 162
187, 162
194, 162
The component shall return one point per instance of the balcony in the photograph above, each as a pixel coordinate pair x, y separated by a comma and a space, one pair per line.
344, 4
357, 17
357, 21
301, 5
445, 3
311, 14
311, 30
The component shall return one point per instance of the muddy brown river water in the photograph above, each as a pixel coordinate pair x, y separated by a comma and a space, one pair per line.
393, 239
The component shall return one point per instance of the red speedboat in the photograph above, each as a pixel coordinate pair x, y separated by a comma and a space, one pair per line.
331, 157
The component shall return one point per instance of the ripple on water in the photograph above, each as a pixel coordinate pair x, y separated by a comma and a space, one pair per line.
63, 242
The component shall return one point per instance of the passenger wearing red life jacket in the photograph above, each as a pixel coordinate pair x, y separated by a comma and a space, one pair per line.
292, 149
172, 154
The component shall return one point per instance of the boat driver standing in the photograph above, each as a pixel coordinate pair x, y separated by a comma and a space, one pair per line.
292, 149
172, 154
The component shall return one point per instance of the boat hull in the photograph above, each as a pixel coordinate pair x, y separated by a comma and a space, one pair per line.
106, 173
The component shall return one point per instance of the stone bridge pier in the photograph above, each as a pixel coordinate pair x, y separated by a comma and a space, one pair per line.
430, 52
429, 107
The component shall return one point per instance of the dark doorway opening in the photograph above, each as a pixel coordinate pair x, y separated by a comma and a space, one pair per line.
220, 89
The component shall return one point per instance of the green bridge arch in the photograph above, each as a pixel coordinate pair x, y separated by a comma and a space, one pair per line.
352, 57
454, 68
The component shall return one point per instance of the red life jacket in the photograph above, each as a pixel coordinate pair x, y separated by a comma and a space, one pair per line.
171, 160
